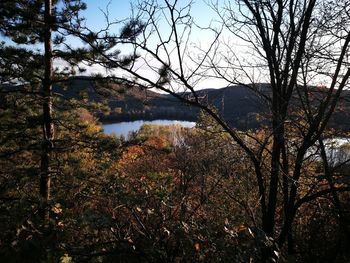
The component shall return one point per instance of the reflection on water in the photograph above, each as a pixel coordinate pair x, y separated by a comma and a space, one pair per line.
124, 128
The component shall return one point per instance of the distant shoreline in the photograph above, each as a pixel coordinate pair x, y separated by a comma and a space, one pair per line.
114, 119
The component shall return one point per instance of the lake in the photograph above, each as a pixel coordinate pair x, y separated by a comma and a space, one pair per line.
124, 128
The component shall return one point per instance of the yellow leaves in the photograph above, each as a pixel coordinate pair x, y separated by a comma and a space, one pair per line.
66, 259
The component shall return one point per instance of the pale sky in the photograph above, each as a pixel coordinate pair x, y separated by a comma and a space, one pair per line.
119, 10
231, 49
122, 9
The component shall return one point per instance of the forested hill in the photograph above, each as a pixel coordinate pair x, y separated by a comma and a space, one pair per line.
240, 106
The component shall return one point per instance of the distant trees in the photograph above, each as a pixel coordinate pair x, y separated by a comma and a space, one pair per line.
296, 47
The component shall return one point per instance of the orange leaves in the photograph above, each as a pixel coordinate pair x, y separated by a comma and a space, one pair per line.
147, 158
157, 142
197, 247
57, 209
132, 153
60, 224
140, 151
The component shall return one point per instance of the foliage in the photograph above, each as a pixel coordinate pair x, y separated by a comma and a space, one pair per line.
171, 194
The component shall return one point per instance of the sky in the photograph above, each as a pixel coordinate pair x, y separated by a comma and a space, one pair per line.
231, 52
119, 9
122, 9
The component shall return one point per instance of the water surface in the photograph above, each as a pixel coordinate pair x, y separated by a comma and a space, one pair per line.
124, 128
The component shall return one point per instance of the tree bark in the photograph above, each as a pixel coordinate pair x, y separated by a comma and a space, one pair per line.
47, 120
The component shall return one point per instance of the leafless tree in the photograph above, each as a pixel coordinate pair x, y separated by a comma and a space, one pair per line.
300, 48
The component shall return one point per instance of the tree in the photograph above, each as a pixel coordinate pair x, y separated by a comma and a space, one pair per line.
29, 23
38, 35
296, 47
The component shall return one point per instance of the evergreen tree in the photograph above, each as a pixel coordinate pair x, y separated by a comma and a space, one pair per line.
37, 34
31, 24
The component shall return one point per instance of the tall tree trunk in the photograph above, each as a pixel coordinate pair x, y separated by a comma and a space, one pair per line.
48, 125
278, 128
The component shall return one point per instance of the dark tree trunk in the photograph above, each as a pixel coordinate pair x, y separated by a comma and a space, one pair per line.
48, 125
273, 187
